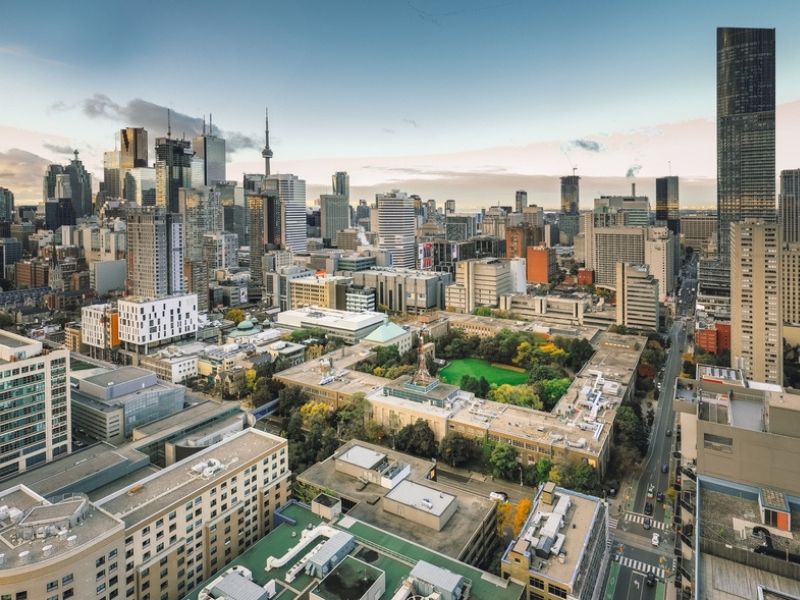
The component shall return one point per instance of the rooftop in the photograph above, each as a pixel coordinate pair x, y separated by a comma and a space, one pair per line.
314, 316
186, 419
118, 375
394, 555
350, 579
154, 494
386, 333
421, 497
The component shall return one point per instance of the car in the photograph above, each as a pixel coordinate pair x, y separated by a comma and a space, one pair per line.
647, 523
655, 540
668, 433
498, 496
665, 468
650, 580
660, 496
648, 508
651, 491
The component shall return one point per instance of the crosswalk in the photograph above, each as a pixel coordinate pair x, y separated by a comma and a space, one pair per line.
637, 518
613, 523
641, 566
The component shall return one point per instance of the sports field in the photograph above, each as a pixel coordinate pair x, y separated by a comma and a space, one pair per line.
477, 368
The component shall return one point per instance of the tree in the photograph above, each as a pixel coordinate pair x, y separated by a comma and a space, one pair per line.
314, 410
543, 466
483, 311
236, 315
553, 389
630, 430
579, 476
518, 395
555, 474
521, 514
290, 399
417, 439
315, 351
456, 450
6, 320
505, 510
503, 460
250, 377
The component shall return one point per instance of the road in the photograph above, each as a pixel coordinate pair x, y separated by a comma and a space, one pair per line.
627, 575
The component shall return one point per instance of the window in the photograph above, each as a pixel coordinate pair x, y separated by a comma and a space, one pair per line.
52, 585
66, 579
556, 591
537, 583
718, 442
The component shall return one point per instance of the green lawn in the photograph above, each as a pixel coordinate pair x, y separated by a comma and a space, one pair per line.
475, 367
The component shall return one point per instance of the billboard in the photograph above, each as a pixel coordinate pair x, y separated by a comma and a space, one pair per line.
425, 256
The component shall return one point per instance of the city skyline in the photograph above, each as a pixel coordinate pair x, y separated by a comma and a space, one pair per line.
544, 109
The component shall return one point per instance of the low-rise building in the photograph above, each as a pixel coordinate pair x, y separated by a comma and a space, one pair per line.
542, 265
349, 326
403, 290
479, 282
145, 324
390, 334
326, 291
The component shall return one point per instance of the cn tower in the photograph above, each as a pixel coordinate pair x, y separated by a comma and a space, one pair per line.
267, 151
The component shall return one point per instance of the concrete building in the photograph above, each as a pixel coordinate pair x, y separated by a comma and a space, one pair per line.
756, 314
155, 245
173, 167
291, 193
533, 217
458, 523
479, 282
637, 297
612, 245
100, 330
108, 404
790, 283
629, 211
662, 257
542, 266
397, 225
403, 290
325, 291
697, 231
520, 200
37, 382
789, 205
349, 326
107, 276
334, 216
561, 551
221, 251
145, 324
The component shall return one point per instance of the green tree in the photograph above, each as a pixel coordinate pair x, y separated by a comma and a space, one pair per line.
483, 311
417, 438
352, 418
290, 399
456, 450
236, 315
503, 460
630, 430
543, 467
519, 395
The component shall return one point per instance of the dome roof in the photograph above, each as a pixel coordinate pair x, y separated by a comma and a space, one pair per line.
244, 325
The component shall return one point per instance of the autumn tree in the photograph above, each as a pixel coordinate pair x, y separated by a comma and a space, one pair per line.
236, 315
315, 410
521, 514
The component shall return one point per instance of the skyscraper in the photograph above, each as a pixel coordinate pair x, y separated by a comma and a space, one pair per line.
789, 205
6, 204
155, 252
756, 316
745, 129
173, 171
397, 227
201, 209
668, 211
80, 183
265, 230
133, 149
112, 179
266, 153
520, 200
211, 150
291, 193
341, 184
334, 216
570, 194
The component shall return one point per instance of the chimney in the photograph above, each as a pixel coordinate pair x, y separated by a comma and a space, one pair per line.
633, 189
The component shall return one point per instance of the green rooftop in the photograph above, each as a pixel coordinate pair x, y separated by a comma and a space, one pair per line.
393, 555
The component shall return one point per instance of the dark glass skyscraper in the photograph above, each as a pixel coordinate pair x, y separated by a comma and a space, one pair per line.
570, 194
745, 128
668, 209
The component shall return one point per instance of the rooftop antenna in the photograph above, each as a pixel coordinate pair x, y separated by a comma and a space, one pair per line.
210, 124
574, 169
669, 167
169, 125
204, 125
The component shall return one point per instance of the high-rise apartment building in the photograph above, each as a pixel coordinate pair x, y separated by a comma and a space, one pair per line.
155, 252
542, 266
265, 230
520, 200
612, 245
334, 216
173, 171
449, 207
790, 283
697, 231
756, 316
146, 323
789, 205
668, 210
6, 204
637, 297
210, 149
397, 227
661, 258
745, 129
570, 195
291, 193
220, 250
479, 282
36, 403
341, 184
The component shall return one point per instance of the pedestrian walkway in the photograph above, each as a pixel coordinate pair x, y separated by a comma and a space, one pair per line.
613, 523
639, 518
641, 566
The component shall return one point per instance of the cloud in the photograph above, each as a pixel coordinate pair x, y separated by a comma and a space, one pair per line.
21, 172
153, 117
633, 170
411, 122
25, 53
59, 148
588, 145
387, 130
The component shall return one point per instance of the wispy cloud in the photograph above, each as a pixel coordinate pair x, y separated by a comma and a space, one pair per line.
633, 170
25, 54
588, 145
411, 122
59, 148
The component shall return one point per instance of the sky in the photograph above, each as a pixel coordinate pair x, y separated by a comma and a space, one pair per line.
464, 99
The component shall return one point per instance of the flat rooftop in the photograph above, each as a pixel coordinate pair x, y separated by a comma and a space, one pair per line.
187, 418
539, 325
171, 485
361, 456
471, 510
118, 375
351, 578
722, 579
395, 555
421, 497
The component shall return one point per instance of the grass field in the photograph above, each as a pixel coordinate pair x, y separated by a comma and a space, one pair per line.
474, 367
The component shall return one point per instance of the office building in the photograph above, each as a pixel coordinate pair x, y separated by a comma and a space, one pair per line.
36, 402
789, 205
10, 255
154, 251
612, 245
359, 299
210, 149
637, 293
112, 178
397, 225
265, 230
146, 323
201, 210
6, 204
660, 256
745, 129
133, 148
561, 551
570, 195
479, 282
517, 241
106, 276
220, 251
291, 194
140, 186
278, 280
449, 207
334, 216
542, 266
80, 184
341, 185
668, 212
459, 227
520, 200
109, 403
756, 315
403, 290
631, 211
697, 231
173, 171
533, 216
326, 291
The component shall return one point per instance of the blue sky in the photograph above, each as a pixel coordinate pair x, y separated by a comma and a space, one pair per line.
378, 78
